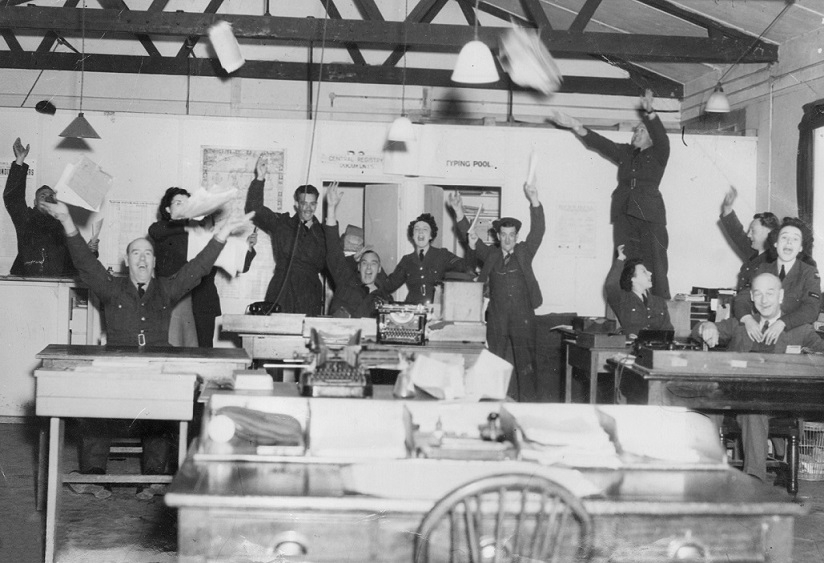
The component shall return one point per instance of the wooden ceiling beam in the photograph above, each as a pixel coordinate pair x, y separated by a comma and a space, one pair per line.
421, 36
424, 12
713, 27
192, 39
368, 10
277, 70
585, 15
536, 14
144, 39
333, 12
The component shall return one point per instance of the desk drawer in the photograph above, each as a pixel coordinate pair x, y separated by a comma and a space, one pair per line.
234, 536
645, 539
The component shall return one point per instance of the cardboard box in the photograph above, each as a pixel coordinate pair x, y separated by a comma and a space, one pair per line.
462, 301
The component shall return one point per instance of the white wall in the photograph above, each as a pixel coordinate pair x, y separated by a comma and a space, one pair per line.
148, 153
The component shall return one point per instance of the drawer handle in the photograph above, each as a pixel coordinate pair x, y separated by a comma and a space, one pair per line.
688, 549
291, 544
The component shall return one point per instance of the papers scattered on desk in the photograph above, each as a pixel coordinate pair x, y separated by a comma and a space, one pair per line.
342, 428
432, 479
567, 436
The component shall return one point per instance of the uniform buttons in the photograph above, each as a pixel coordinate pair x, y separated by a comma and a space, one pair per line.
142, 318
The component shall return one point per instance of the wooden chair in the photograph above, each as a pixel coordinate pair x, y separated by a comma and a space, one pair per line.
787, 428
506, 518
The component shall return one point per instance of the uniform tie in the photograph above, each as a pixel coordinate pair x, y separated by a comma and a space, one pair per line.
765, 326
507, 256
782, 273
421, 255
646, 300
141, 291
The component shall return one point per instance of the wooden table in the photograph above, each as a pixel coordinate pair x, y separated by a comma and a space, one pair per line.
591, 361
68, 387
227, 510
726, 381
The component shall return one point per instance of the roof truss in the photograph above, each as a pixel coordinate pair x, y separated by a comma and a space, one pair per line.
416, 32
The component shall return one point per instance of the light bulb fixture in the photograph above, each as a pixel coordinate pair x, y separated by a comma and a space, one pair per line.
79, 128
475, 63
401, 130
717, 102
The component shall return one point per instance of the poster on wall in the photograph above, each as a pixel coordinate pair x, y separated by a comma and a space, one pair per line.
574, 228
224, 168
8, 237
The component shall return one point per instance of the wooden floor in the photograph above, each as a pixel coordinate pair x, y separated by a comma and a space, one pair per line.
123, 529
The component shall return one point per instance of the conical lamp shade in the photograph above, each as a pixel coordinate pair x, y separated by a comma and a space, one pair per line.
80, 129
401, 130
718, 102
475, 64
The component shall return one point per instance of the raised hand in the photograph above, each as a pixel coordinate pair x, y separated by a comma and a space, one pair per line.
20, 152
251, 240
58, 210
531, 192
333, 194
472, 238
455, 201
260, 168
564, 120
729, 199
646, 101
235, 222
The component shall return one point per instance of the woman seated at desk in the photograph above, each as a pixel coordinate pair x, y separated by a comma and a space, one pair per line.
627, 289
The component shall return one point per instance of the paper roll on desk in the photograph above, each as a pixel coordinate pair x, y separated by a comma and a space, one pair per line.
226, 46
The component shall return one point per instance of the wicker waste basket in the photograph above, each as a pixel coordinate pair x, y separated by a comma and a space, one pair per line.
811, 452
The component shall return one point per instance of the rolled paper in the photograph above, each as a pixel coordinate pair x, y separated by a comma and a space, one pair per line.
533, 164
226, 46
475, 220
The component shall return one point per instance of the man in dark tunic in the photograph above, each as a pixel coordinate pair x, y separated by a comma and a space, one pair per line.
41, 244
514, 293
298, 247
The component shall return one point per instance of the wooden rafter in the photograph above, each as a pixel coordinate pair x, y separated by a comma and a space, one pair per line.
417, 32
333, 12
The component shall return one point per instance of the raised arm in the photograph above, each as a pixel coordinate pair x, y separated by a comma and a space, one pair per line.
264, 217
537, 226
612, 285
341, 272
14, 195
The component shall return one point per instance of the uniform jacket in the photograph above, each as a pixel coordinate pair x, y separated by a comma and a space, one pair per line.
351, 296
421, 278
524, 253
743, 247
41, 240
733, 334
303, 292
633, 315
639, 172
128, 315
802, 294
171, 250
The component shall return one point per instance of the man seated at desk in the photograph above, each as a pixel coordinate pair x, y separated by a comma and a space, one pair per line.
137, 310
355, 295
767, 295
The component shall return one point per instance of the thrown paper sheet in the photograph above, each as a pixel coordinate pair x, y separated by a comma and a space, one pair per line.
83, 184
488, 377
527, 61
231, 259
204, 202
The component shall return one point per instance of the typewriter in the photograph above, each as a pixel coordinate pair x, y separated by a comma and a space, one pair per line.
335, 369
401, 324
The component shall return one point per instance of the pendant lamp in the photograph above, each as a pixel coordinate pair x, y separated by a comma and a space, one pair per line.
717, 102
401, 130
475, 62
79, 128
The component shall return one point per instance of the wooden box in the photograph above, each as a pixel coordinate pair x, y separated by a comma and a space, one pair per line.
599, 340
462, 301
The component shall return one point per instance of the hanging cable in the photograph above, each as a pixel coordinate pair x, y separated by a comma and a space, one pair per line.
314, 120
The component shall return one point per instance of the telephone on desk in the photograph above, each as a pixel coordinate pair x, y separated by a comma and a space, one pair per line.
336, 370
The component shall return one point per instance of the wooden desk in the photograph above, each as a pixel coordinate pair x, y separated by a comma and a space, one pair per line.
591, 361
164, 391
227, 510
725, 381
